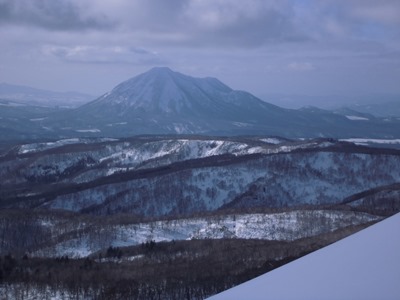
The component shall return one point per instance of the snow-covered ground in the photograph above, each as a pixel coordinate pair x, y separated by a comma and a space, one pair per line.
365, 141
88, 130
37, 147
357, 118
363, 266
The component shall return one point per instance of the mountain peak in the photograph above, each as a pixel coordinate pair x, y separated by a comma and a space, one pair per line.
163, 90
160, 70
163, 100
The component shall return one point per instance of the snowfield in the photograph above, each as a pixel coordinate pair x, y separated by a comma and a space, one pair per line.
364, 266
37, 147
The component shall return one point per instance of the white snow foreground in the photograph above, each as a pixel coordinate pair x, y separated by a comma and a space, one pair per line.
363, 266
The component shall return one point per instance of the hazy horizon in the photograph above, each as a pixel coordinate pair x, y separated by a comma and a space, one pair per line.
285, 100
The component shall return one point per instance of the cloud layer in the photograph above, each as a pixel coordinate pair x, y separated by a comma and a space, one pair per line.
295, 45
51, 15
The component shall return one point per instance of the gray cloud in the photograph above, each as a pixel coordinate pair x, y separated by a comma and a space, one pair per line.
239, 23
50, 14
103, 54
383, 11
212, 23
238, 26
300, 66
173, 22
302, 46
357, 19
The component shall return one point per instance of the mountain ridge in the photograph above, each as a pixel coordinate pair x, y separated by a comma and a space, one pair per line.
30, 96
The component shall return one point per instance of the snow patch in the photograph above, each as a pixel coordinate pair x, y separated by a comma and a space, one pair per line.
94, 130
357, 118
364, 141
241, 124
116, 124
35, 147
274, 141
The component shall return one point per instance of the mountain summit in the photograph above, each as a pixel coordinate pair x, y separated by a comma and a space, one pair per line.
164, 91
165, 101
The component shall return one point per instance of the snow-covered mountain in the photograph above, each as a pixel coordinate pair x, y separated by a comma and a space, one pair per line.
162, 90
162, 101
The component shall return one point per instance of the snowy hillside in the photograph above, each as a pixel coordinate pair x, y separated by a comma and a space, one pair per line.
75, 255
152, 176
105, 156
287, 226
365, 265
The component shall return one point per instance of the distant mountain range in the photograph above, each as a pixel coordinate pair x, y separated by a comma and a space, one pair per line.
378, 105
386, 109
162, 101
16, 95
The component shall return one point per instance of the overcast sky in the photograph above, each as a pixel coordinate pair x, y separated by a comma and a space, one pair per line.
309, 47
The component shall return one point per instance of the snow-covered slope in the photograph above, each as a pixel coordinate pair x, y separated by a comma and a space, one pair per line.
164, 101
364, 266
156, 176
164, 91
270, 181
82, 160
